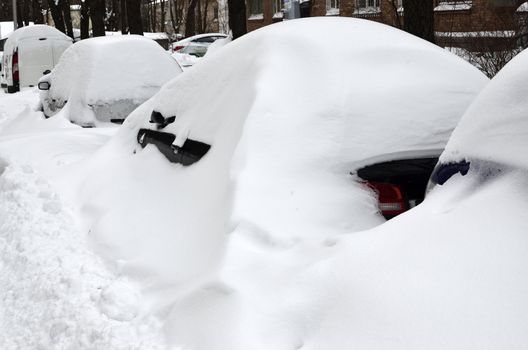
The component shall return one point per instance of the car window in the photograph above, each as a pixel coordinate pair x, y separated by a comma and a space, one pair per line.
207, 39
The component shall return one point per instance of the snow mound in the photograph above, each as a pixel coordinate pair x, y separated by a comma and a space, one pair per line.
308, 110
56, 293
286, 122
105, 70
495, 127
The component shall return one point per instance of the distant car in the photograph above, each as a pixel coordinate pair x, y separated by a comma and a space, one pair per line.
198, 43
195, 49
29, 52
102, 80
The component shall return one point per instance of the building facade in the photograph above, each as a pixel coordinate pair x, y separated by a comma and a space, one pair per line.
458, 23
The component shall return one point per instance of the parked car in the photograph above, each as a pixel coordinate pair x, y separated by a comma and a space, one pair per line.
102, 80
29, 52
198, 43
393, 117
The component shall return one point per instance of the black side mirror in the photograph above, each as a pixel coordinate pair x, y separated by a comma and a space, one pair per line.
47, 71
44, 85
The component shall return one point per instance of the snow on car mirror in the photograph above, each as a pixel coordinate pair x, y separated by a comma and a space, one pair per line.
191, 151
44, 85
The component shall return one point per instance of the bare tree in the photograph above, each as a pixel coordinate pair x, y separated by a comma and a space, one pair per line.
487, 50
190, 19
57, 16
65, 4
85, 20
123, 23
97, 15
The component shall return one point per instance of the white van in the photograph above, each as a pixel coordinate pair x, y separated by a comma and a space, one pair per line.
28, 53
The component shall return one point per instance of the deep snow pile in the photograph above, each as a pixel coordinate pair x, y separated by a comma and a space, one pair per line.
106, 70
286, 123
56, 293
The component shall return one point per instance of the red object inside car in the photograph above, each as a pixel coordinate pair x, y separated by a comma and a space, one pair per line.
177, 48
391, 199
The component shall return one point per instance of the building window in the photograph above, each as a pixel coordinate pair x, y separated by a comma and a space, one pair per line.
454, 5
367, 6
255, 9
332, 7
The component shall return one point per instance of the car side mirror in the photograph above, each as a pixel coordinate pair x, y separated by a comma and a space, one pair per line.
44, 85
47, 71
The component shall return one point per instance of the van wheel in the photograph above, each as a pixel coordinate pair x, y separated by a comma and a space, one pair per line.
11, 89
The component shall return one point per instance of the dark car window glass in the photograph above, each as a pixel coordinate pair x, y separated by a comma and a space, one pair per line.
207, 39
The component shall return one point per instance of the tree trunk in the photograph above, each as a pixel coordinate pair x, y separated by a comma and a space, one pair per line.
20, 14
56, 14
38, 18
237, 17
123, 24
85, 20
419, 18
65, 5
205, 21
97, 15
199, 28
162, 9
190, 19
134, 16
172, 7
153, 16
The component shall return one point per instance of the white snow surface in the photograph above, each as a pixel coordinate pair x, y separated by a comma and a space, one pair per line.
103, 70
56, 293
256, 246
481, 135
523, 7
287, 124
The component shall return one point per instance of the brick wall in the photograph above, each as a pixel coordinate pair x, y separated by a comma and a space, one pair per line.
484, 15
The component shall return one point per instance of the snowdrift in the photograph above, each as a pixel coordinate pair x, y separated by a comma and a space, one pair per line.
288, 113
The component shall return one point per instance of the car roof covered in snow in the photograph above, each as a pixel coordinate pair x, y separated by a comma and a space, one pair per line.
357, 89
34, 31
495, 126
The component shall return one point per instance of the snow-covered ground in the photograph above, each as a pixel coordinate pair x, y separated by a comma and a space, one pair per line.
56, 292
268, 242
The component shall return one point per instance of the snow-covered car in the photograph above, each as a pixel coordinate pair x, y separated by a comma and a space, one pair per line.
28, 53
198, 43
102, 80
276, 134
396, 116
449, 274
